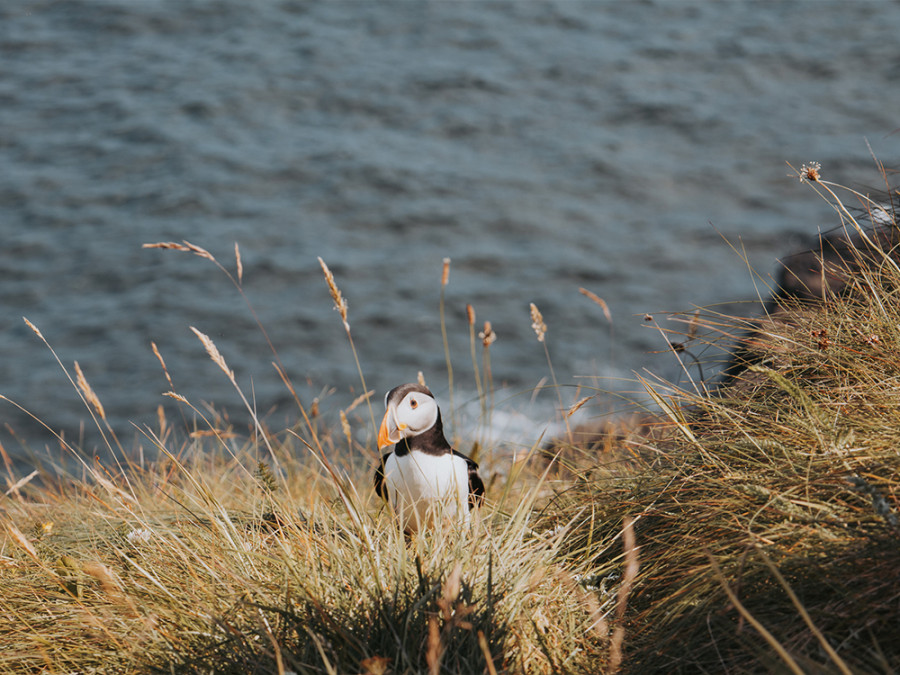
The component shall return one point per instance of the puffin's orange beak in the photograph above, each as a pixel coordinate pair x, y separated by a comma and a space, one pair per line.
389, 432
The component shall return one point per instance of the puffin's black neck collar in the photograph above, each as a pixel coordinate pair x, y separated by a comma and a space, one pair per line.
430, 441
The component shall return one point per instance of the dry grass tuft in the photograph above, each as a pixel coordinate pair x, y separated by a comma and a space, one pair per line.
767, 514
199, 566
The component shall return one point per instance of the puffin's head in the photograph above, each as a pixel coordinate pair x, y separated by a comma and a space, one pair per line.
410, 411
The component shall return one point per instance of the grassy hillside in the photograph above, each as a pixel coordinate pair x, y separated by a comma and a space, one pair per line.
749, 529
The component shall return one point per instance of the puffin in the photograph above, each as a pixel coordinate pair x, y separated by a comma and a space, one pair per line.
422, 476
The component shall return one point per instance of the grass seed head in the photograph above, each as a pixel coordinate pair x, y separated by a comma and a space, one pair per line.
162, 363
186, 247
597, 299
345, 427
214, 353
340, 303
88, 393
537, 323
488, 336
34, 328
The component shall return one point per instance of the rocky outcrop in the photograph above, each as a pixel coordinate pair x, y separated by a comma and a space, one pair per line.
834, 265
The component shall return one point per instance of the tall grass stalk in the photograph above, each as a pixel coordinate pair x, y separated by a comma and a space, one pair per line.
340, 304
540, 329
482, 401
445, 279
488, 337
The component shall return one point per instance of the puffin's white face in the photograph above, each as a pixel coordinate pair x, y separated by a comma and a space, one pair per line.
415, 413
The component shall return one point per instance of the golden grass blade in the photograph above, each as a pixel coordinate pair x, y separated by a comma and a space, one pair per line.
433, 655
19, 484
162, 363
694, 325
23, 542
362, 398
631, 570
577, 406
100, 428
488, 659
600, 301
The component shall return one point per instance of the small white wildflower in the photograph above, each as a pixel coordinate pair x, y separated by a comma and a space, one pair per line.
881, 216
140, 535
810, 172
554, 531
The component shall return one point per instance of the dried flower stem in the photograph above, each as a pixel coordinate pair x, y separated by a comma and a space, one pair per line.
488, 337
540, 329
470, 315
809, 173
445, 278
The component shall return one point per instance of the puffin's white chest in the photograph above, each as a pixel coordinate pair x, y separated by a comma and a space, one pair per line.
423, 487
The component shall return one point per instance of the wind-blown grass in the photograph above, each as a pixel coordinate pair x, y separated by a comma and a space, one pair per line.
753, 529
767, 516
272, 554
198, 566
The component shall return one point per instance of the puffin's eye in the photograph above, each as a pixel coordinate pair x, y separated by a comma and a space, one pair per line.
413, 403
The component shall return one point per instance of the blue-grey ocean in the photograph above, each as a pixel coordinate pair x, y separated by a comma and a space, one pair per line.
543, 146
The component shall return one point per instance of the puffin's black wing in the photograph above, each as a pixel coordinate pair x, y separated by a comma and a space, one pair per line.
380, 488
476, 485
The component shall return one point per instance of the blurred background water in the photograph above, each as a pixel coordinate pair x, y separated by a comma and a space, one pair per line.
543, 146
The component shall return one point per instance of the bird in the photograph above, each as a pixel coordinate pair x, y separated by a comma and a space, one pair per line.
423, 476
